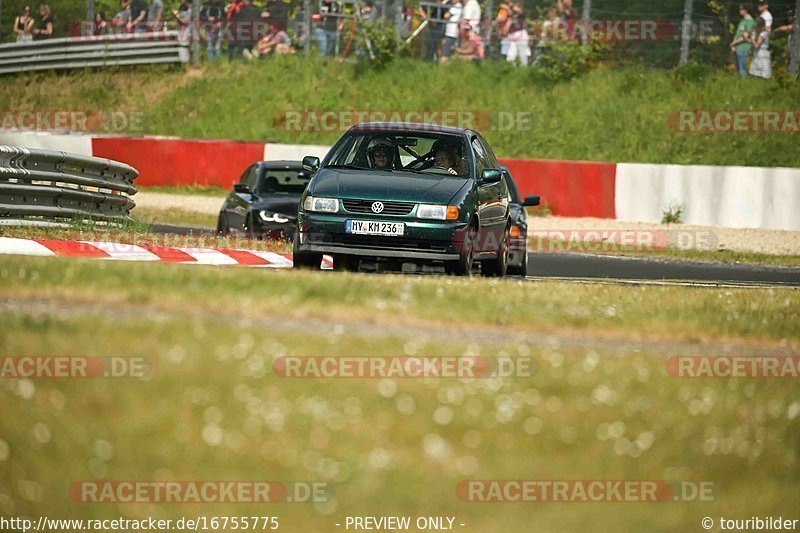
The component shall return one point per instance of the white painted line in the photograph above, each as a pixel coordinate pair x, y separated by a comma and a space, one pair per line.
10, 245
208, 256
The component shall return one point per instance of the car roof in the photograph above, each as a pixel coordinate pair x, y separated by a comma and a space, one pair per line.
411, 127
283, 163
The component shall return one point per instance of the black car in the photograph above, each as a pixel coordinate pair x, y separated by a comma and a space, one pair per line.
518, 249
264, 201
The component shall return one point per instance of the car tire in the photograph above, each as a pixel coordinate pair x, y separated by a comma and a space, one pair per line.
310, 260
521, 270
346, 263
463, 266
497, 267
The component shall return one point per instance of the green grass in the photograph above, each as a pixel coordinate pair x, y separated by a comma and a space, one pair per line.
213, 333
607, 115
674, 313
181, 217
198, 190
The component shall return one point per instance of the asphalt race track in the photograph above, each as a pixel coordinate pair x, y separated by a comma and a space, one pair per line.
597, 267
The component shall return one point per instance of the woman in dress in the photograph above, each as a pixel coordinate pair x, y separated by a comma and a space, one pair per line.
761, 65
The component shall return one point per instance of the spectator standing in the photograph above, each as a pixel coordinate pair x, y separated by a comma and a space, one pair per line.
435, 29
44, 26
519, 41
451, 34
472, 14
23, 25
741, 44
566, 12
763, 12
327, 33
119, 24
761, 65
184, 16
101, 25
277, 11
211, 15
244, 23
155, 15
138, 20
500, 22
299, 25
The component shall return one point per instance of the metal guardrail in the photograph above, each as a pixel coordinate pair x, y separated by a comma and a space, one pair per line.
59, 186
91, 51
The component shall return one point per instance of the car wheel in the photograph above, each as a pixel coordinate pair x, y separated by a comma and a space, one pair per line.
346, 263
521, 270
498, 266
463, 266
311, 260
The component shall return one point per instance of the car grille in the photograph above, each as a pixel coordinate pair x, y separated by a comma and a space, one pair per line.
389, 208
390, 243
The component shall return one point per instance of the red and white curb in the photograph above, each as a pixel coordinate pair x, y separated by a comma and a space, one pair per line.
145, 252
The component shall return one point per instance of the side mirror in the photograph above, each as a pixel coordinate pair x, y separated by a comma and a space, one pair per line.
310, 163
491, 175
531, 201
242, 188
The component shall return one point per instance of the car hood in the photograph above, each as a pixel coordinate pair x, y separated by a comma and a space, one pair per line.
283, 204
396, 185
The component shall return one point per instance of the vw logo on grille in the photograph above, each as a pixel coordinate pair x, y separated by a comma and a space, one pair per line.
377, 207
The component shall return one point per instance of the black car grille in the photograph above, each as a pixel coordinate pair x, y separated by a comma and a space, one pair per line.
389, 208
390, 243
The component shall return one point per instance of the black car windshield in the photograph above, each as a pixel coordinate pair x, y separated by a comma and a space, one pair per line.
283, 181
434, 154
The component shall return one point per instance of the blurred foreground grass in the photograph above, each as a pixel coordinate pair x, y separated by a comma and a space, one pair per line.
603, 409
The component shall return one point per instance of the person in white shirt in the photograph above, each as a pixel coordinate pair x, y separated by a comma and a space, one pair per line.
763, 12
472, 14
453, 17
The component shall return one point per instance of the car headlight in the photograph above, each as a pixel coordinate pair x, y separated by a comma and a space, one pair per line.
321, 205
437, 212
266, 216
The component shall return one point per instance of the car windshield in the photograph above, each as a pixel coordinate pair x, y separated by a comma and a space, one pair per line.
283, 181
435, 154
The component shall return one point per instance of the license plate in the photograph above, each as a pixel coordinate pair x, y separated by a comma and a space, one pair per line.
371, 227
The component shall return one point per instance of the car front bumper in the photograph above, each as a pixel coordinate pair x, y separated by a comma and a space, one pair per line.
429, 240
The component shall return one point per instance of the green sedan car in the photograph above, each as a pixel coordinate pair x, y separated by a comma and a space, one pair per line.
406, 193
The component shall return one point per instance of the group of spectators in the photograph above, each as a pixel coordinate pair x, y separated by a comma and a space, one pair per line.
28, 28
454, 29
751, 41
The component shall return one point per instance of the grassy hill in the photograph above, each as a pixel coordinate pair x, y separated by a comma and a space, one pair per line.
605, 115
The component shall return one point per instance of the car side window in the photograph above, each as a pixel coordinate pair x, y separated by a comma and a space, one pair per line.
250, 177
490, 158
480, 157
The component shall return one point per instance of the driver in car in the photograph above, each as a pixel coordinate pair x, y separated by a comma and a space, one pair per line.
381, 155
446, 159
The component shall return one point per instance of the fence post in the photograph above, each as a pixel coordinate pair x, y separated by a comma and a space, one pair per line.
794, 63
686, 32
307, 22
195, 32
587, 14
90, 11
